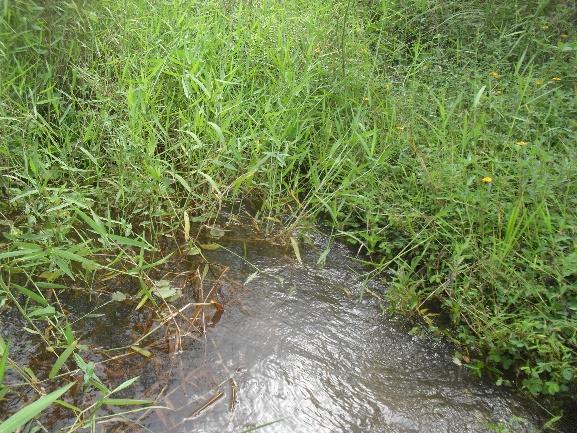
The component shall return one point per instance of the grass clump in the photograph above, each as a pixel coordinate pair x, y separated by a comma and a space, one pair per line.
438, 136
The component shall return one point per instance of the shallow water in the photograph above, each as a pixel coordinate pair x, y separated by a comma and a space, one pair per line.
295, 347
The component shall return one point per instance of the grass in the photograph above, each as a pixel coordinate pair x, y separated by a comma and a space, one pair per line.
438, 136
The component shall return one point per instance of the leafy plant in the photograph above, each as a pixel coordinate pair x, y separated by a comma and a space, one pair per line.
31, 411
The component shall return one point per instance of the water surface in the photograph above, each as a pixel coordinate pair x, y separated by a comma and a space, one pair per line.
298, 348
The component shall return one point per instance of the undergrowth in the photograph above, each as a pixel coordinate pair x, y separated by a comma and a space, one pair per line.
439, 136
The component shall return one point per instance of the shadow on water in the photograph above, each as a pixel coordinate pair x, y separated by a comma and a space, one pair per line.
293, 346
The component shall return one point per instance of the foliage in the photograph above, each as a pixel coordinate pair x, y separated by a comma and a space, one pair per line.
27, 413
438, 135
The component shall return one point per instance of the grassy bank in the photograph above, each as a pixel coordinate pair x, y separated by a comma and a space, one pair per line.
439, 136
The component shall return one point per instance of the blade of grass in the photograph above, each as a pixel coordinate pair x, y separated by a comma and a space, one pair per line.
31, 411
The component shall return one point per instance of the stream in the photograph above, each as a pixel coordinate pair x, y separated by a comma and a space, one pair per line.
298, 348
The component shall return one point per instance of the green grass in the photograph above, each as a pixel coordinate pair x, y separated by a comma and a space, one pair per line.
380, 117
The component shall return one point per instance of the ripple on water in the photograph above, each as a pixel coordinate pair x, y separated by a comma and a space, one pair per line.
296, 346
305, 353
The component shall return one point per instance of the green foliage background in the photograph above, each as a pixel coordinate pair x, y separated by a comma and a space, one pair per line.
380, 117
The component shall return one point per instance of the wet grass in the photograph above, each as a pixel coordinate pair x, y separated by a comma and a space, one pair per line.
439, 137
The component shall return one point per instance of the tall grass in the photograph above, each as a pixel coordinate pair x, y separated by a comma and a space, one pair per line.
439, 136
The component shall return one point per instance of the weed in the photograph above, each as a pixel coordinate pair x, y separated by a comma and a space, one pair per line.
438, 136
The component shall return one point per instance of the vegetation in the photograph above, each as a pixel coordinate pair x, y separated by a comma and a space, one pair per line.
438, 136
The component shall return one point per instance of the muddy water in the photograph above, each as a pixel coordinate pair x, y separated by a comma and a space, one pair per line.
295, 350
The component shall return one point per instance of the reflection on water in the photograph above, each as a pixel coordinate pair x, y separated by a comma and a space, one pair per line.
295, 348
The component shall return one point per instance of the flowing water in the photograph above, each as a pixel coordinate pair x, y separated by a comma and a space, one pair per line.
297, 350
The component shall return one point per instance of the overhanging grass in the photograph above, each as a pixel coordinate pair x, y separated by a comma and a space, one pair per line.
381, 117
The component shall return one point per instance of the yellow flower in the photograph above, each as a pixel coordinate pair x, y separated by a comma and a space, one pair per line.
495, 74
366, 99
400, 128
538, 81
487, 179
556, 79
522, 143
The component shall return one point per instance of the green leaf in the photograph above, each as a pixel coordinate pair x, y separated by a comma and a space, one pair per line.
74, 257
64, 266
211, 181
569, 265
193, 250
534, 385
567, 374
68, 406
29, 293
552, 387
210, 247
32, 410
186, 86
163, 289
50, 275
94, 223
323, 256
183, 182
3, 359
87, 368
46, 285
68, 334
218, 132
248, 175
125, 384
478, 96
61, 360
31, 376
45, 311
18, 253
200, 218
3, 391
122, 240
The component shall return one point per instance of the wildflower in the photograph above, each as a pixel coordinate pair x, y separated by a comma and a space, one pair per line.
487, 179
495, 75
400, 128
366, 99
556, 79
538, 81
522, 143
